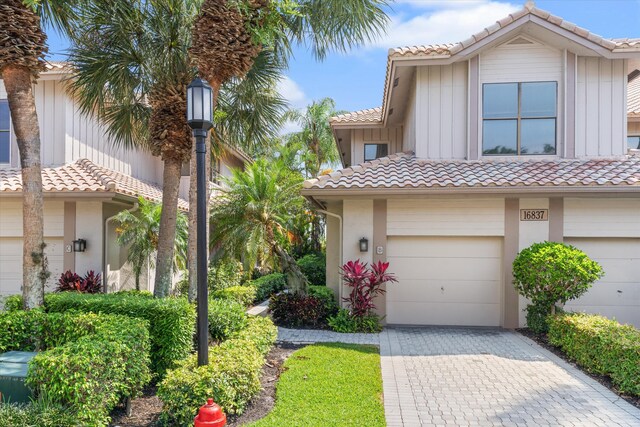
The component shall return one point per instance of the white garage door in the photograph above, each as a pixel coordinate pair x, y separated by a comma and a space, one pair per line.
11, 263
617, 294
445, 281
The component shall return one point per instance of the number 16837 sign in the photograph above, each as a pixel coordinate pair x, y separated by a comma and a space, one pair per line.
534, 215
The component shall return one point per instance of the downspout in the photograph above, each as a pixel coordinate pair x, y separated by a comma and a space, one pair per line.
339, 218
106, 246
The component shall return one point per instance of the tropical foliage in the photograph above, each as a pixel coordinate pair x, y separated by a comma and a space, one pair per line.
366, 284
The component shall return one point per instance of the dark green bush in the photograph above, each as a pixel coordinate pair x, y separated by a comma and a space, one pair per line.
245, 295
232, 376
549, 273
226, 317
297, 310
87, 360
345, 322
314, 267
600, 345
171, 320
327, 297
268, 285
537, 318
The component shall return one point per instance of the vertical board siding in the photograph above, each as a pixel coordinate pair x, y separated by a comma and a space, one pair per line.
601, 217
11, 218
600, 109
409, 127
391, 136
441, 111
445, 217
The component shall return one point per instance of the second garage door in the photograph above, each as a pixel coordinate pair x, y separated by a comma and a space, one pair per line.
445, 281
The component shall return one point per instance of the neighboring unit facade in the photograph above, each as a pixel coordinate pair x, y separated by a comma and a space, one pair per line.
481, 148
86, 182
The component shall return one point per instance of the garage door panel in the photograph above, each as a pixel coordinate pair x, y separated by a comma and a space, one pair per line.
445, 280
432, 291
458, 314
459, 247
11, 262
444, 268
617, 294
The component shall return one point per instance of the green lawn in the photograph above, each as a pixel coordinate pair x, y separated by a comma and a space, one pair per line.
329, 385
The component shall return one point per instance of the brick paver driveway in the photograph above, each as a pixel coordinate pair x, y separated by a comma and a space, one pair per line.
457, 376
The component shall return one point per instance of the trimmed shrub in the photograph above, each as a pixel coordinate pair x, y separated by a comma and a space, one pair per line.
296, 310
171, 320
226, 317
345, 322
314, 267
225, 273
232, 376
268, 285
600, 345
245, 295
87, 360
327, 297
13, 303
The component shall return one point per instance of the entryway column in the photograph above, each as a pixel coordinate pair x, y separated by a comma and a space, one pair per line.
510, 248
379, 248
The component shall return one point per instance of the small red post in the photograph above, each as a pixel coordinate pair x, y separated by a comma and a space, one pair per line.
210, 415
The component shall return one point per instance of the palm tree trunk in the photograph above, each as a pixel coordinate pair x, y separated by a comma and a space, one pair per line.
192, 254
167, 233
17, 82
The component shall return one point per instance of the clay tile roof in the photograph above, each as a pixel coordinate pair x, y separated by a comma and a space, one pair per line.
371, 115
633, 97
405, 171
85, 176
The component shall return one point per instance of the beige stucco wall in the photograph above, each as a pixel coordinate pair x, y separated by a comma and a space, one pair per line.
334, 241
89, 226
358, 223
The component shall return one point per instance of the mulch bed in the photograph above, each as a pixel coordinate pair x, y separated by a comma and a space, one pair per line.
602, 379
146, 408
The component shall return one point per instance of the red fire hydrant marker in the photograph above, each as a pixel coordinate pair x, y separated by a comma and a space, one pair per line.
210, 415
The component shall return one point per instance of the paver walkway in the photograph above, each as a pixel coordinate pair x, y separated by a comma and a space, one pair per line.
480, 377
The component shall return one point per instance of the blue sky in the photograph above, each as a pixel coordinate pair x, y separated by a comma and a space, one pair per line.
355, 80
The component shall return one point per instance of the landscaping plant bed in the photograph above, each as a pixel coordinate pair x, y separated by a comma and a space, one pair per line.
145, 411
602, 379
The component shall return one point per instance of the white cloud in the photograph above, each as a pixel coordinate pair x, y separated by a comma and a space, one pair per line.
292, 92
447, 22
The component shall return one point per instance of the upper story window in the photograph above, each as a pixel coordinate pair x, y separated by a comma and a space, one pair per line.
519, 118
5, 134
375, 151
633, 142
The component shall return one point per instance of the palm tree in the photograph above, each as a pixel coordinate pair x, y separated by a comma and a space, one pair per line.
253, 218
139, 232
132, 68
22, 53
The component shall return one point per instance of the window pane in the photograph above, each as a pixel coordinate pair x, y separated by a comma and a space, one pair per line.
500, 100
374, 151
499, 137
538, 136
5, 146
633, 142
538, 99
4, 114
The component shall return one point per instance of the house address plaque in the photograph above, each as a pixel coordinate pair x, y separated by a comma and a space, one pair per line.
534, 214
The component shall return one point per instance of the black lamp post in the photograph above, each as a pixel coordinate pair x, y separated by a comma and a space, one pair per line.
200, 119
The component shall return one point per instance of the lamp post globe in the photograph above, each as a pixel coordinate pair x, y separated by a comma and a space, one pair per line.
200, 119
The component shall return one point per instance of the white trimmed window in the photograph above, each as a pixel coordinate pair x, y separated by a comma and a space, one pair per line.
519, 118
375, 151
5, 132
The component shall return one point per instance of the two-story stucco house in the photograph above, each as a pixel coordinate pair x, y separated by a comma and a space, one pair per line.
514, 136
87, 180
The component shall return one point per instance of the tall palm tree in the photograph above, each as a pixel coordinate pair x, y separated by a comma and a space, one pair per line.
22, 51
132, 68
253, 218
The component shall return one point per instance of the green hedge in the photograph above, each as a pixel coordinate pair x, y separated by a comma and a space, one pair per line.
268, 285
87, 361
232, 376
314, 267
245, 295
171, 320
600, 345
226, 317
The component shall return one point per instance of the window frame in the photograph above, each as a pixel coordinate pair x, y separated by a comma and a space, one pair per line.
636, 135
519, 119
364, 150
8, 131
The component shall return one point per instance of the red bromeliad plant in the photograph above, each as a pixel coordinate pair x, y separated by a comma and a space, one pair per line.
366, 283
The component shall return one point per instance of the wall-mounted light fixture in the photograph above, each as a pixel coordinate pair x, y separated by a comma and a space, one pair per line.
79, 245
364, 245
